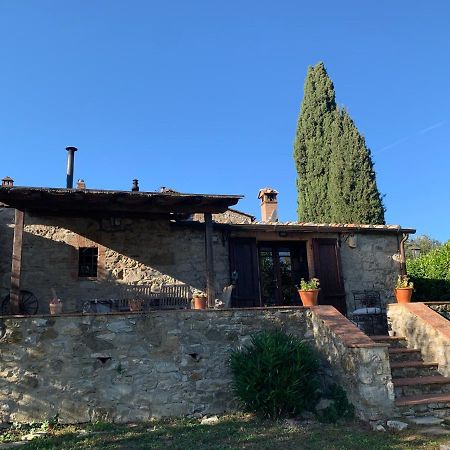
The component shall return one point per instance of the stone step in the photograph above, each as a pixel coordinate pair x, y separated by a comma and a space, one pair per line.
407, 387
404, 354
393, 341
425, 421
433, 401
411, 369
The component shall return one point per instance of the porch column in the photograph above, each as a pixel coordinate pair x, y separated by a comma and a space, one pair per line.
16, 265
210, 282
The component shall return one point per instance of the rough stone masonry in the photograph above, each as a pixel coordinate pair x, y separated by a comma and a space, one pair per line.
132, 367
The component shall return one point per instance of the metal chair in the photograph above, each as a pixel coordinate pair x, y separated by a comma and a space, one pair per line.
369, 313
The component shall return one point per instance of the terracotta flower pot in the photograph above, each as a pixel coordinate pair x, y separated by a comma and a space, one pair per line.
55, 308
403, 295
309, 298
200, 302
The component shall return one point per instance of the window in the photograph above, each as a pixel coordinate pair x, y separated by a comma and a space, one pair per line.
87, 262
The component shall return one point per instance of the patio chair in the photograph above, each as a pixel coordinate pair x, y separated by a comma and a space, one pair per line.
369, 314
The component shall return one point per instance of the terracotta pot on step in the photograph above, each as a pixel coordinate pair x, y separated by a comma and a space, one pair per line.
200, 302
309, 298
403, 295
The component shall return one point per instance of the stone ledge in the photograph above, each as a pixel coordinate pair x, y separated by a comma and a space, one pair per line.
349, 334
429, 316
158, 311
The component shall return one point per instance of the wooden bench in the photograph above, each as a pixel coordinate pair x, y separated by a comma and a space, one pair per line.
171, 296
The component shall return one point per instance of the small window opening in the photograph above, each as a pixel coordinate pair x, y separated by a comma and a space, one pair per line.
87, 261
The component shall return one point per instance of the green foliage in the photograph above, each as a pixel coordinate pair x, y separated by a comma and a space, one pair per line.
275, 376
101, 426
424, 244
431, 274
341, 408
352, 189
312, 146
313, 283
336, 178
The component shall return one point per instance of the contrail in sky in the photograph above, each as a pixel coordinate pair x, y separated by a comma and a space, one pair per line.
407, 138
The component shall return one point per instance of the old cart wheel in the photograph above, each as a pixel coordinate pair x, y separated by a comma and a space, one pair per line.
28, 304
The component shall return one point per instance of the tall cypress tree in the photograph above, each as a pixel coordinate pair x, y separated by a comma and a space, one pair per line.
312, 146
336, 179
352, 188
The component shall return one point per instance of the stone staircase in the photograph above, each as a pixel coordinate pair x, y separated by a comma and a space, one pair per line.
420, 390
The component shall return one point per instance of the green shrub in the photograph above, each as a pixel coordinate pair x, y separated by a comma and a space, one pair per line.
276, 375
341, 408
431, 274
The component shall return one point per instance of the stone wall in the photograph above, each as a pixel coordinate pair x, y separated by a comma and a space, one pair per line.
126, 367
425, 330
370, 265
229, 216
144, 251
131, 251
359, 365
131, 367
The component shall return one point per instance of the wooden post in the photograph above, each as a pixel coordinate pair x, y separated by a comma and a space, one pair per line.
210, 282
16, 265
310, 257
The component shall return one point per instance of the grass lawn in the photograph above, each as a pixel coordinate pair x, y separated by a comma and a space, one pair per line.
230, 432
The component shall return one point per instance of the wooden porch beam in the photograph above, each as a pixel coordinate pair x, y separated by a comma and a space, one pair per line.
16, 265
210, 279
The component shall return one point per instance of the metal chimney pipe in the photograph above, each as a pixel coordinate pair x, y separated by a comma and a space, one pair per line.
70, 157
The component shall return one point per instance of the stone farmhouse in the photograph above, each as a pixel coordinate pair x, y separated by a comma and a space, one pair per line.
89, 244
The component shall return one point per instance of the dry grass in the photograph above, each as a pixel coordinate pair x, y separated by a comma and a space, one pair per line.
232, 432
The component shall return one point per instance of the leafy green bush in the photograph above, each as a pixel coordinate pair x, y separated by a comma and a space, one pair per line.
276, 375
340, 408
431, 274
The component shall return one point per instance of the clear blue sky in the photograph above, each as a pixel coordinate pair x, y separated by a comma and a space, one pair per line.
203, 96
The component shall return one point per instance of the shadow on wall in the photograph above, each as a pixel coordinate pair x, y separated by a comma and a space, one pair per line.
429, 340
135, 251
6, 239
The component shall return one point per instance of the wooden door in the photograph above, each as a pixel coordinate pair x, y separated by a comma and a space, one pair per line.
327, 265
243, 261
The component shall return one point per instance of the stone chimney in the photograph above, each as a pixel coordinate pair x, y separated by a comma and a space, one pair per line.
7, 182
81, 185
269, 204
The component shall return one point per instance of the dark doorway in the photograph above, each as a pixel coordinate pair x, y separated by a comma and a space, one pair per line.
327, 265
244, 268
281, 266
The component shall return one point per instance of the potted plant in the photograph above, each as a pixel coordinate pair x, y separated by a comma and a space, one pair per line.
309, 291
55, 305
136, 305
403, 289
200, 300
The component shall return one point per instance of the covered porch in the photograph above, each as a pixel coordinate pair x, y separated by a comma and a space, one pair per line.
98, 244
